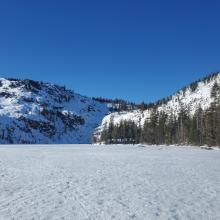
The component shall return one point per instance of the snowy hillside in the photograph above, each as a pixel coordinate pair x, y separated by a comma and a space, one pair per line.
36, 112
190, 98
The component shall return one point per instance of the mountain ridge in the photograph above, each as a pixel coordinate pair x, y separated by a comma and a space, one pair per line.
38, 112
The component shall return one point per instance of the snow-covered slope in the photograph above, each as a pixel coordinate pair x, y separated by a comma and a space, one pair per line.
196, 95
36, 112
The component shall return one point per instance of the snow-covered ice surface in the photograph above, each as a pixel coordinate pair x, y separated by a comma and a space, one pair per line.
109, 182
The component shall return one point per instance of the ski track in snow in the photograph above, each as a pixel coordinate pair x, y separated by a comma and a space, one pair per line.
109, 182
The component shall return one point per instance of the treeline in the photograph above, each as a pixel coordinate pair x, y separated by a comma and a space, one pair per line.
193, 86
203, 128
117, 104
123, 105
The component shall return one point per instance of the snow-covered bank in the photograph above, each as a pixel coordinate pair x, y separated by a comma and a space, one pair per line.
84, 182
204, 147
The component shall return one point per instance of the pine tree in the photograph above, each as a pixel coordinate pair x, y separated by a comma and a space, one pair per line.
162, 120
215, 92
171, 136
210, 127
183, 128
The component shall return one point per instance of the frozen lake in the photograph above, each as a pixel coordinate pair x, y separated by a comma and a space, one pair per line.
109, 182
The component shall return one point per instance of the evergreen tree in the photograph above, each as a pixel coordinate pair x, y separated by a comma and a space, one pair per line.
161, 131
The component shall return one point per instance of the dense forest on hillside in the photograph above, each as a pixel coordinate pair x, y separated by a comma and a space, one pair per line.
203, 128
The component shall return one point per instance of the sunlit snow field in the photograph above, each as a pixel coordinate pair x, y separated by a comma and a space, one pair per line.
109, 182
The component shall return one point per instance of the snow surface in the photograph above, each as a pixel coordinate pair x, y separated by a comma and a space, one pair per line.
108, 182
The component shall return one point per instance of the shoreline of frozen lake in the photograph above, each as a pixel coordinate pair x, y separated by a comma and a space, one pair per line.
113, 182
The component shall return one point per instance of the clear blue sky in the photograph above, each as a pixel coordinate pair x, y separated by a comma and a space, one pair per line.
135, 50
